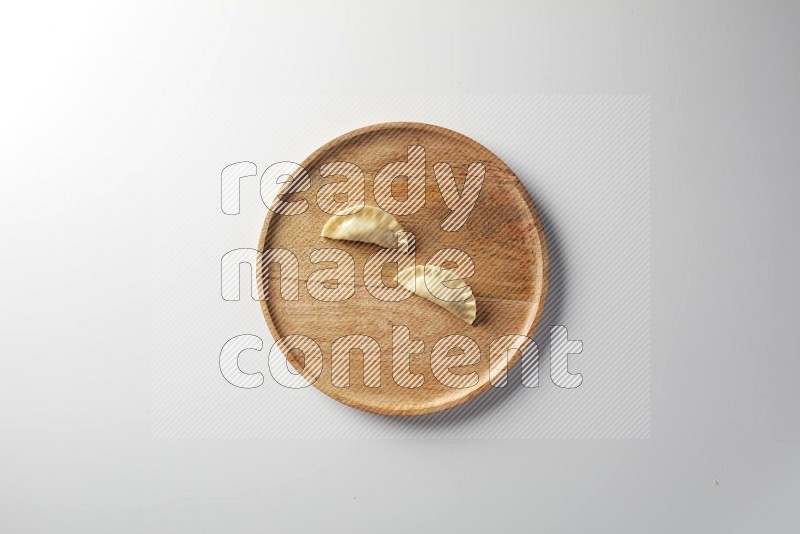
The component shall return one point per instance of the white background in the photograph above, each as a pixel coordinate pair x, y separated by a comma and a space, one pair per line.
96, 99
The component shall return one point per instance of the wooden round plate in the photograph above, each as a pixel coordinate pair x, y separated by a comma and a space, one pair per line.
503, 235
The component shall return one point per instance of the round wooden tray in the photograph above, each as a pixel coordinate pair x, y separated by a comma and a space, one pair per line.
503, 235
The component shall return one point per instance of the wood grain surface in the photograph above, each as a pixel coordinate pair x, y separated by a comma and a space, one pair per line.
503, 235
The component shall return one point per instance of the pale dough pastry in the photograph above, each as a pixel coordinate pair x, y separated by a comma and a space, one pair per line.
421, 277
367, 224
